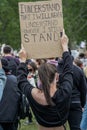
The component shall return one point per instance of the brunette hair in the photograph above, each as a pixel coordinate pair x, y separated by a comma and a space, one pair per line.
7, 49
47, 74
33, 65
78, 62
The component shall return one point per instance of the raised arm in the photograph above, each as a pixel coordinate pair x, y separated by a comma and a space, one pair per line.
22, 72
66, 80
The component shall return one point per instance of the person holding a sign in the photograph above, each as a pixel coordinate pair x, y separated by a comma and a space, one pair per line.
50, 103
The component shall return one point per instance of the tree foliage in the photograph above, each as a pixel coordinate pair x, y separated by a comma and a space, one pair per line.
75, 21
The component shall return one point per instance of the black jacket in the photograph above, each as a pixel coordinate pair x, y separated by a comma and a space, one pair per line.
10, 101
47, 115
79, 84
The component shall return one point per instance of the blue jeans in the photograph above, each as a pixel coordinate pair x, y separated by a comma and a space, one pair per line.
1, 127
83, 124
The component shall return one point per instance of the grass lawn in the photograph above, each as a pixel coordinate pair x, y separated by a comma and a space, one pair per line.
33, 126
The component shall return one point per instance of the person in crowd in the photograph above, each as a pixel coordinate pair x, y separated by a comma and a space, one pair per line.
83, 124
2, 84
78, 98
83, 58
33, 73
32, 78
9, 105
12, 60
49, 104
2, 80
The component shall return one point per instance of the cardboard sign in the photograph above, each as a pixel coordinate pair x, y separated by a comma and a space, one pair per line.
41, 23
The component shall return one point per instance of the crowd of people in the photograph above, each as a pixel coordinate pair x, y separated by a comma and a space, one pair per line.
56, 89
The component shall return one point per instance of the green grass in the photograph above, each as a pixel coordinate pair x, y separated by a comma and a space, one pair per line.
33, 126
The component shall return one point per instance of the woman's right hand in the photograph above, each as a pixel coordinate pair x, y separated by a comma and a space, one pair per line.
64, 42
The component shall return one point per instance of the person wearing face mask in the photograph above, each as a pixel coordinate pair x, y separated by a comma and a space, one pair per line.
31, 79
50, 104
33, 73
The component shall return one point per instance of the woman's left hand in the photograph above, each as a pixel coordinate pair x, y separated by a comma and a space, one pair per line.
22, 55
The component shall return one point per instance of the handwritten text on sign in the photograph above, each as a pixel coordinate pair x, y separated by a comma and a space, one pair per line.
41, 24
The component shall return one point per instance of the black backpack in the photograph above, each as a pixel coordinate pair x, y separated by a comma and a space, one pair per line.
23, 106
9, 104
14, 104
12, 65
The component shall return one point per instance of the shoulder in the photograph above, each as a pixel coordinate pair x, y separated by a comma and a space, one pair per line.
38, 96
77, 72
11, 58
12, 77
77, 69
16, 60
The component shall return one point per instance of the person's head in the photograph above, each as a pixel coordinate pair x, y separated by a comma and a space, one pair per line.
78, 62
81, 55
7, 49
40, 61
47, 76
31, 67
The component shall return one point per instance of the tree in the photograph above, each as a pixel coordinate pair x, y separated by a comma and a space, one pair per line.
75, 21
